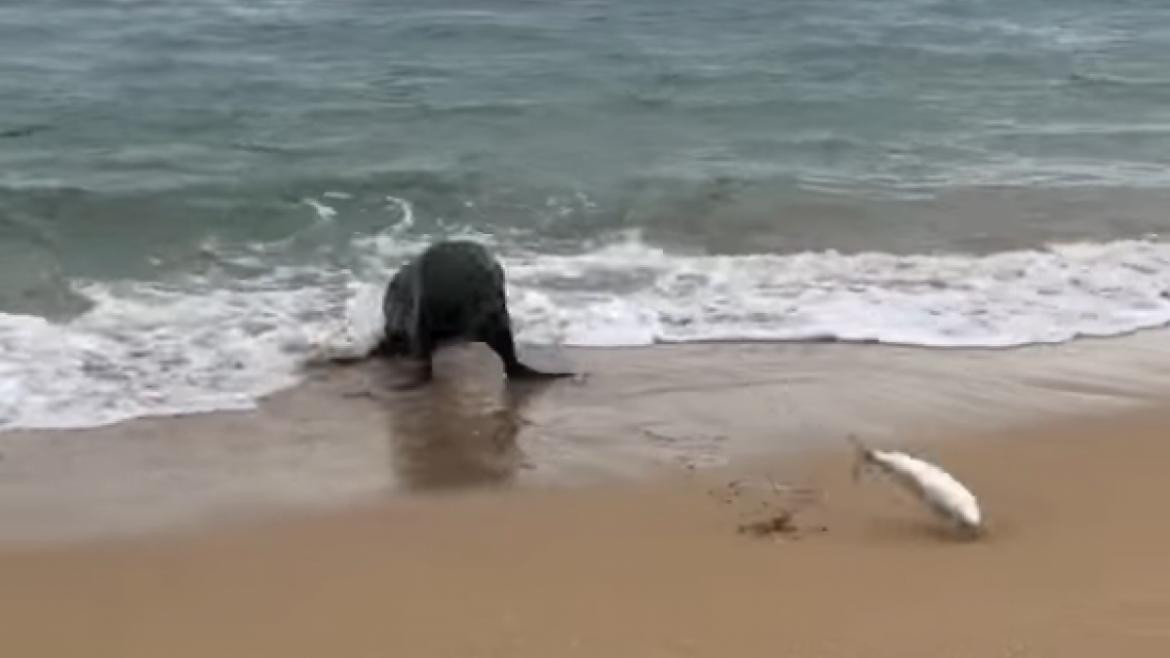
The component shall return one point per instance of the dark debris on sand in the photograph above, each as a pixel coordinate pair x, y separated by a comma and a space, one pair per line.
777, 523
773, 515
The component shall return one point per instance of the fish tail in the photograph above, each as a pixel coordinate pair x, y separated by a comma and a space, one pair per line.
863, 456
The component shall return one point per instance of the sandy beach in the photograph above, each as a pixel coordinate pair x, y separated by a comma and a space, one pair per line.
345, 436
750, 231
492, 545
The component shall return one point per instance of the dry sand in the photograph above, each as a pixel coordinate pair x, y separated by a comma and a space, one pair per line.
1073, 565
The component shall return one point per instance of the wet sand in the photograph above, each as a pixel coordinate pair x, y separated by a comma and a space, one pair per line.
346, 436
1073, 565
461, 545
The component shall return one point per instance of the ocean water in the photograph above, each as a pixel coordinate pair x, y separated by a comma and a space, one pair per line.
198, 195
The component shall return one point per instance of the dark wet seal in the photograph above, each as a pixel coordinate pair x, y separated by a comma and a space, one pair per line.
453, 292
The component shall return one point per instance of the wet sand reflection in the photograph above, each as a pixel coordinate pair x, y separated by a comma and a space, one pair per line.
461, 429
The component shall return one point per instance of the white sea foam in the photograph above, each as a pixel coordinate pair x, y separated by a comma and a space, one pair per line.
194, 344
634, 295
324, 212
147, 350
406, 212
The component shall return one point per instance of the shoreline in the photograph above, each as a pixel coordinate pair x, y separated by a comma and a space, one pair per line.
344, 436
678, 501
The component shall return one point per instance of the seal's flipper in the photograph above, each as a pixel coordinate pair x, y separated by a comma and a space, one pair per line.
521, 371
498, 336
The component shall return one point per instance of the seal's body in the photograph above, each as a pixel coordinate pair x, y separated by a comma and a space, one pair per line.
452, 292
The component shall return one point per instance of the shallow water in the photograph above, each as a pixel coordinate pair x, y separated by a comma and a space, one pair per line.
195, 196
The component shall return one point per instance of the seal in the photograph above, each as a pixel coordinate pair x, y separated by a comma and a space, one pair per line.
452, 292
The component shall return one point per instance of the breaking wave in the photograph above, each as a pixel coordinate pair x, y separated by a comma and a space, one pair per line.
198, 343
